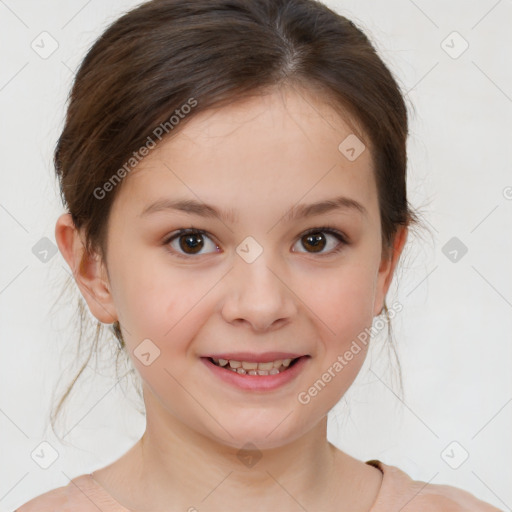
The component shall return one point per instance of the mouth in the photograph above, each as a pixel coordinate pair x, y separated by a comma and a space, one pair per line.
272, 367
257, 376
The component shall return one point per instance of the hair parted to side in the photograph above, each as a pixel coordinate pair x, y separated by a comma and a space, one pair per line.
155, 58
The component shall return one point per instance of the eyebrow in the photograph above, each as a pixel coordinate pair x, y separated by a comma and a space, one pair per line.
296, 212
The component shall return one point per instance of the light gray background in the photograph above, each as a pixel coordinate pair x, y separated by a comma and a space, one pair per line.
453, 334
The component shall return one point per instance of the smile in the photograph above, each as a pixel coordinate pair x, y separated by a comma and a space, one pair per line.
254, 368
254, 377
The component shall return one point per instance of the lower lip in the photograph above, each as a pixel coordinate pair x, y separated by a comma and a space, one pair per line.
257, 382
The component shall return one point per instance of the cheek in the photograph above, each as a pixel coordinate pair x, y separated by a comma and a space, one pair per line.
343, 315
342, 302
162, 303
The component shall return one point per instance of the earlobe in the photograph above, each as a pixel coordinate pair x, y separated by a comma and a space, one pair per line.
87, 268
387, 269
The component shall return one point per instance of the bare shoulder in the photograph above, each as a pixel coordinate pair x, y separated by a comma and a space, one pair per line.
67, 498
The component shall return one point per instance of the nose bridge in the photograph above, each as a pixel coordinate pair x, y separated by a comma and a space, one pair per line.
256, 292
258, 276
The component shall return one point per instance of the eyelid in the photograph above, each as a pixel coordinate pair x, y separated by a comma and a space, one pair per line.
328, 229
342, 239
186, 231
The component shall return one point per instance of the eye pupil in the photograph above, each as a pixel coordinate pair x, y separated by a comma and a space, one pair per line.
190, 243
317, 240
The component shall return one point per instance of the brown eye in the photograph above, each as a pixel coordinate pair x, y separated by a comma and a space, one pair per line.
317, 239
190, 242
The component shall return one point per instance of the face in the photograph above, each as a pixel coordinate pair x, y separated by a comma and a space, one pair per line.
262, 272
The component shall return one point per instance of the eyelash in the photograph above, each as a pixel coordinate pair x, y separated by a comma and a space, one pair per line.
323, 229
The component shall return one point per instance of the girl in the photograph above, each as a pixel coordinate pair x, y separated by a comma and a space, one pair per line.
234, 173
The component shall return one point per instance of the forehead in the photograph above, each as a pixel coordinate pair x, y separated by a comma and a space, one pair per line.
281, 146
273, 118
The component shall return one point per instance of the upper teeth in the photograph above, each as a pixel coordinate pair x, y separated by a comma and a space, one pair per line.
246, 365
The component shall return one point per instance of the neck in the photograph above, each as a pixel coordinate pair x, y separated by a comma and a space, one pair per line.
188, 463
175, 464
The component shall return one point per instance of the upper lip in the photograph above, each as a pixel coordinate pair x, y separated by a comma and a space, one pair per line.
251, 357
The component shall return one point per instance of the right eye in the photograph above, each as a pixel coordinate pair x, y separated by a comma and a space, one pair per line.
189, 241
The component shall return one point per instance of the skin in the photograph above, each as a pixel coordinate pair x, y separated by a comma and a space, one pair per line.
259, 157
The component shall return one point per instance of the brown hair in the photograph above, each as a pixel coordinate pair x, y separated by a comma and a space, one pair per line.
155, 58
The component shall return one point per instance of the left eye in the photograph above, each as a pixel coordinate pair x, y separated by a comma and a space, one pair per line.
317, 241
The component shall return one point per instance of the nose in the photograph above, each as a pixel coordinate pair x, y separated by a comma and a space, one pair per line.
257, 294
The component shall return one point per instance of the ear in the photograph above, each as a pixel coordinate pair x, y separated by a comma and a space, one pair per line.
88, 270
387, 268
